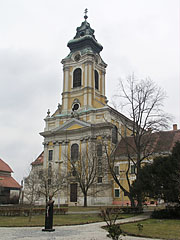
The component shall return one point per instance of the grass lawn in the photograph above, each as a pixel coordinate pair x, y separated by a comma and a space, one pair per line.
58, 220
155, 228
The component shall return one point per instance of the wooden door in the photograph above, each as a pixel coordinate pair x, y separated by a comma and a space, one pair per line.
73, 192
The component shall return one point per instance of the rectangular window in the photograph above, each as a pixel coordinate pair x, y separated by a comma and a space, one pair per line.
125, 194
114, 135
117, 193
74, 173
50, 157
73, 192
99, 179
99, 150
99, 166
133, 169
116, 170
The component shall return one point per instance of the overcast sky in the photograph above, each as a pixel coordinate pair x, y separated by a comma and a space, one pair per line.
140, 36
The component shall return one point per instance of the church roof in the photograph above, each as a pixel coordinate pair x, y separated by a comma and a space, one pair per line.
39, 160
160, 143
4, 167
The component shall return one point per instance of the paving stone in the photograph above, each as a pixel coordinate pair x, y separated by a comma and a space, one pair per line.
91, 231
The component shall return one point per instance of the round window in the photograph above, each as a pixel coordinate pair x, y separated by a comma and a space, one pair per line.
75, 107
77, 57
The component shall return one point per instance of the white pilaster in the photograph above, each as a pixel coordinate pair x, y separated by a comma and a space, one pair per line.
56, 152
66, 76
45, 155
85, 75
103, 84
90, 76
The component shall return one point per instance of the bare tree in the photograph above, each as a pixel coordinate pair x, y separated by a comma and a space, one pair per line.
142, 100
87, 169
50, 182
31, 189
43, 183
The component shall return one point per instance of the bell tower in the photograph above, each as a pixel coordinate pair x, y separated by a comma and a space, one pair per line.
83, 72
83, 122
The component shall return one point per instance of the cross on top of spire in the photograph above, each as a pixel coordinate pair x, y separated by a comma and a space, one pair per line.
85, 16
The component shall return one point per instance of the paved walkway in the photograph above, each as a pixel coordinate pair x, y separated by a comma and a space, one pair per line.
79, 232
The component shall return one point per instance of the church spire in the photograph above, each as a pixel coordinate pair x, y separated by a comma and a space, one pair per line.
85, 39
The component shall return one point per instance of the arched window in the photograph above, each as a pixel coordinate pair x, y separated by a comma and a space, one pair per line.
114, 135
96, 76
74, 152
77, 78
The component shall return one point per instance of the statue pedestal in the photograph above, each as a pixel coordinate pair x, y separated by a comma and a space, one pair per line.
48, 230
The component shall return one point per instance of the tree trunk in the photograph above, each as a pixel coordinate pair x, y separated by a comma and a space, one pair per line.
131, 200
30, 213
85, 199
139, 193
139, 200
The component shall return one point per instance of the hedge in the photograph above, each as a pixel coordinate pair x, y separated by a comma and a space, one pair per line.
9, 211
168, 213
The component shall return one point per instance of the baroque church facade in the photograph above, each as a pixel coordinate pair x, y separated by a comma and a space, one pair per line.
84, 130
83, 120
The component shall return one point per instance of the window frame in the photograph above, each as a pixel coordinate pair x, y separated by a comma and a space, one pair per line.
50, 155
114, 135
74, 152
77, 78
117, 171
96, 79
99, 179
115, 191
99, 166
133, 169
99, 150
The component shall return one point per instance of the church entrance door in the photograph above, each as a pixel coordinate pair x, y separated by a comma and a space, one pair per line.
73, 192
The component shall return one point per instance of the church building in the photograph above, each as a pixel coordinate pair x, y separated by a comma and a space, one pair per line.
84, 124
85, 132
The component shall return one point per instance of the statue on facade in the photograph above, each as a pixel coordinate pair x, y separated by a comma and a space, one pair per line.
49, 216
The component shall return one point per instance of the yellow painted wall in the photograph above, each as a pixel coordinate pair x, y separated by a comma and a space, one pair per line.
126, 131
99, 116
123, 181
75, 126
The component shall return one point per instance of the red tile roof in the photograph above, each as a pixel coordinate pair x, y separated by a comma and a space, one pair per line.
8, 181
39, 160
161, 142
4, 167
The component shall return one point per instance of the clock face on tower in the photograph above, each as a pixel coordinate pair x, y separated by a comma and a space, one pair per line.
75, 107
77, 57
